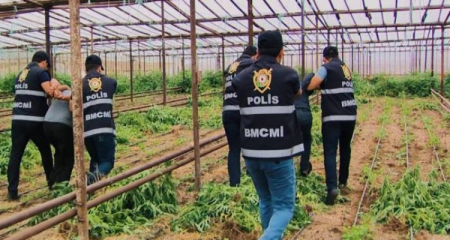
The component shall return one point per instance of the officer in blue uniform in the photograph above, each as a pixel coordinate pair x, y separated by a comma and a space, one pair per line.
270, 133
99, 127
32, 86
304, 117
231, 117
338, 118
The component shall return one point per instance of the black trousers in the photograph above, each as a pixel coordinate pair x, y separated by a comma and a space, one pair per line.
61, 137
337, 134
231, 123
21, 133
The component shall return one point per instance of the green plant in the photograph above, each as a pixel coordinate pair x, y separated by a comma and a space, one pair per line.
178, 81
359, 232
127, 212
64, 78
412, 85
211, 80
7, 83
418, 203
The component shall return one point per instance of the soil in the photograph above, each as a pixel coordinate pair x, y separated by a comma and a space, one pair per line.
391, 163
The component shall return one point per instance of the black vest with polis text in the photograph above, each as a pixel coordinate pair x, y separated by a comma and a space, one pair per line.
98, 91
269, 127
338, 101
230, 101
30, 103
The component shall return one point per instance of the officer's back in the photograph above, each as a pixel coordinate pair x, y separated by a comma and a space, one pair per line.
266, 92
270, 135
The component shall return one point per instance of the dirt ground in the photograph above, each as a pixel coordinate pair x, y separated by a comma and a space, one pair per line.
389, 163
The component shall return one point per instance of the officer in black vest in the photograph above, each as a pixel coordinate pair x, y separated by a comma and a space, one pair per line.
32, 86
231, 117
338, 118
270, 133
99, 127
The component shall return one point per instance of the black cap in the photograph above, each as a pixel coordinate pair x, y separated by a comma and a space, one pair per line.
40, 56
250, 50
330, 51
94, 59
270, 43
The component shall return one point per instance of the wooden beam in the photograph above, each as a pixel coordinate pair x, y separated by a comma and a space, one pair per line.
78, 128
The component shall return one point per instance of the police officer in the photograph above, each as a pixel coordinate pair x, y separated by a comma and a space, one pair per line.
270, 132
231, 117
338, 118
59, 132
304, 117
99, 127
29, 109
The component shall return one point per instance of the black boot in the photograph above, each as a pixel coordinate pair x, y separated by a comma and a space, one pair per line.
13, 196
331, 196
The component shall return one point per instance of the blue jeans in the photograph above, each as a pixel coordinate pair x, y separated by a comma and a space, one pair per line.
304, 118
275, 184
231, 122
335, 133
102, 149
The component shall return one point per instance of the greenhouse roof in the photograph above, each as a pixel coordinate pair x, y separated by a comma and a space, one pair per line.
111, 25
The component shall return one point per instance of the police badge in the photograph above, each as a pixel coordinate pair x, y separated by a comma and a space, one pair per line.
233, 67
95, 84
23, 75
346, 72
262, 80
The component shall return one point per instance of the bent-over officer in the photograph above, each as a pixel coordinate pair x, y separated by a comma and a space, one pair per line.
338, 118
305, 119
31, 88
270, 132
231, 116
59, 132
99, 127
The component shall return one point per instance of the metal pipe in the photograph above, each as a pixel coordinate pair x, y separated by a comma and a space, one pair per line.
223, 55
352, 58
195, 96
32, 231
160, 61
342, 47
337, 38
442, 60
250, 22
358, 51
139, 58
92, 40
106, 64
328, 37
145, 63
317, 45
48, 47
303, 40
223, 66
77, 115
131, 72
163, 33
432, 52
115, 59
426, 57
183, 61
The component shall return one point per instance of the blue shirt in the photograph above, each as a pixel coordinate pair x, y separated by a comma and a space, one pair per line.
322, 73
